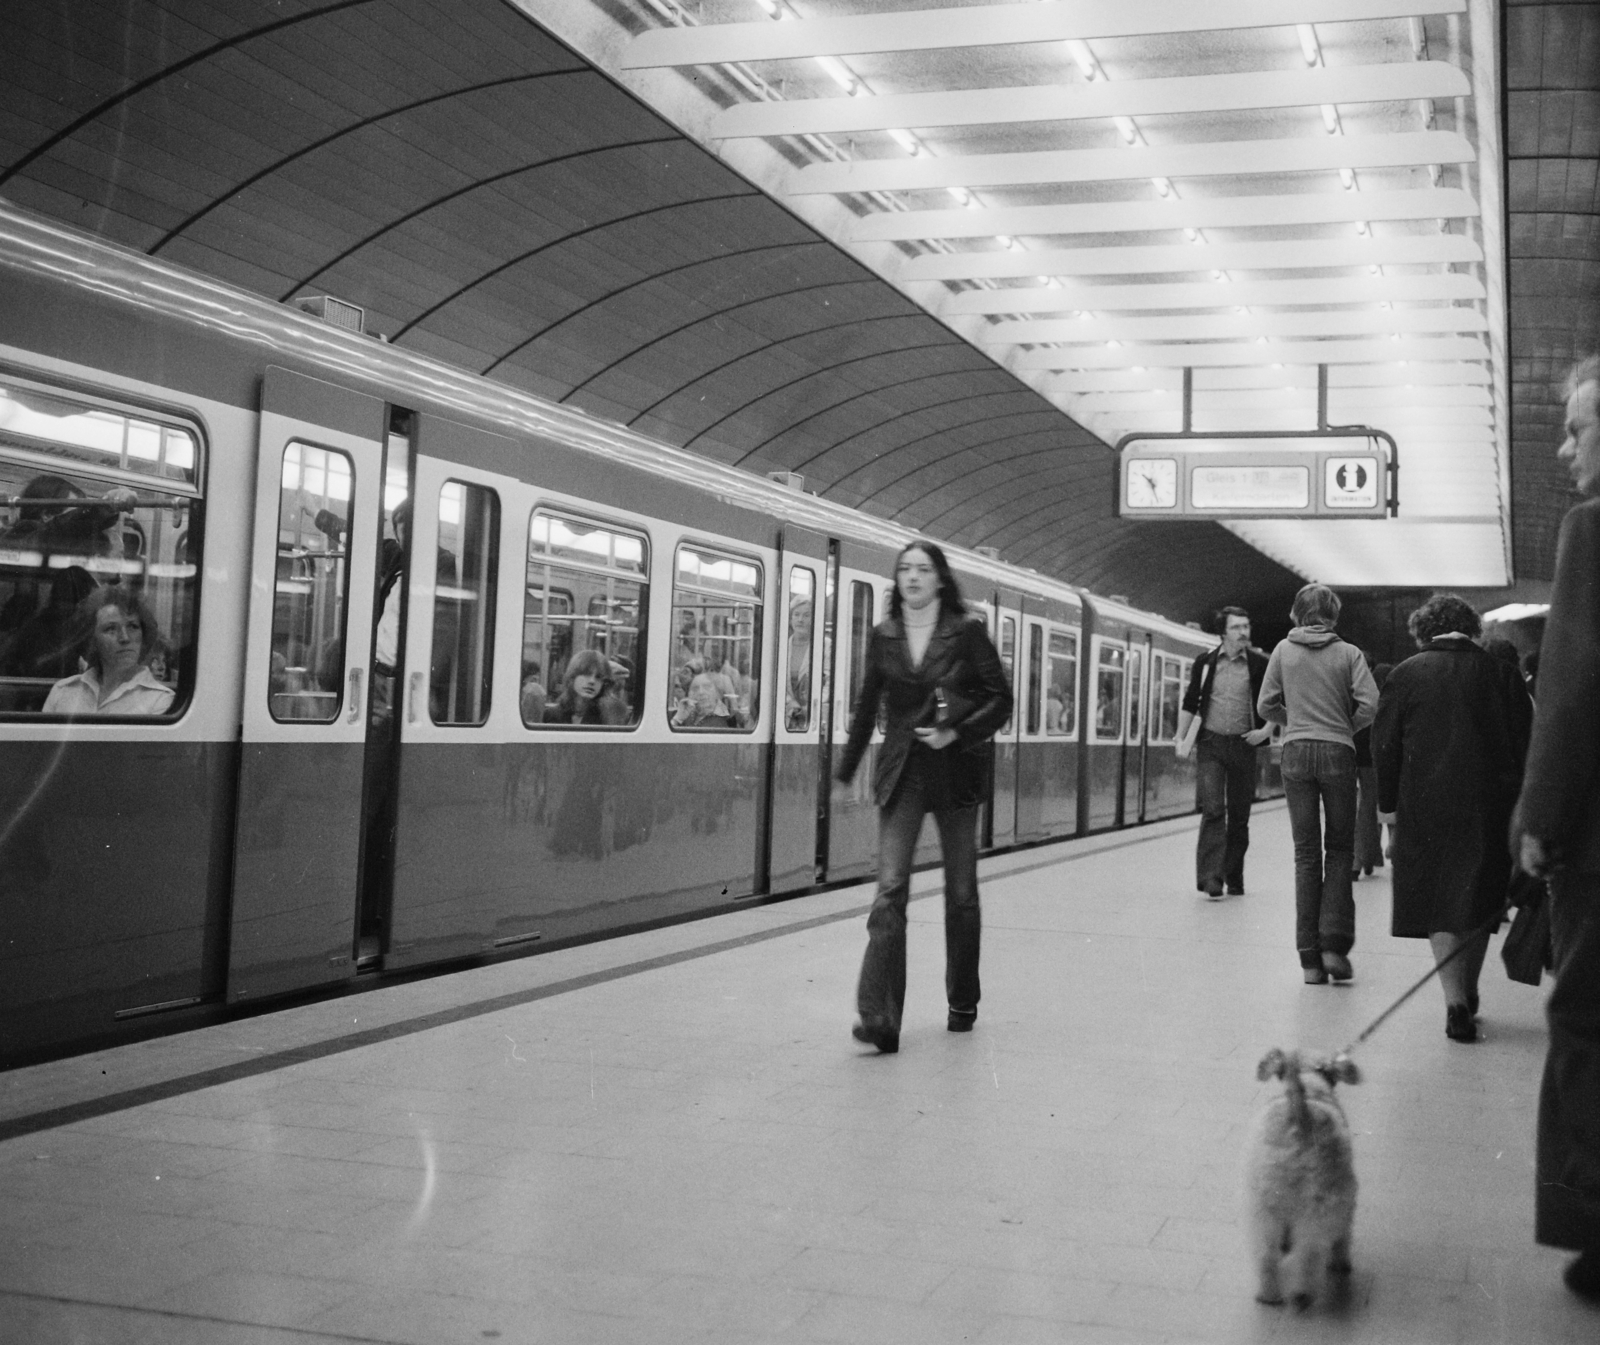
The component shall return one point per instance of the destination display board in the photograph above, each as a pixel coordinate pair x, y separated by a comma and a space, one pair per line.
1316, 474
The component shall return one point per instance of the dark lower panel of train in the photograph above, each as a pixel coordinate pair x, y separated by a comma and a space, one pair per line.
122, 869
115, 862
502, 842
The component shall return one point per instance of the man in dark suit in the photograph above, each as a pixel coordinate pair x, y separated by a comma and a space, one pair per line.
1223, 688
1558, 818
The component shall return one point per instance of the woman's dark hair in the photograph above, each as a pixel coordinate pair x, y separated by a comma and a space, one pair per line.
586, 663
1315, 605
46, 487
125, 601
950, 600
1444, 614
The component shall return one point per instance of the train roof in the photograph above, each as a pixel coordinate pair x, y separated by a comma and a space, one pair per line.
34, 245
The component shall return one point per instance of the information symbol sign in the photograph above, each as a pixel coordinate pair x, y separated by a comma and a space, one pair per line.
1351, 483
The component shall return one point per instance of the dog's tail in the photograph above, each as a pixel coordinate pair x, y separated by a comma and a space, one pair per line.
1286, 1066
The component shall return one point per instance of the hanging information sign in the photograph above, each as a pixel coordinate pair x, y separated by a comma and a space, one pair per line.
1314, 474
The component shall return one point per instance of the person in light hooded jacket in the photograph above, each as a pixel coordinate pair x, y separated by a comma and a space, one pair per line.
1319, 688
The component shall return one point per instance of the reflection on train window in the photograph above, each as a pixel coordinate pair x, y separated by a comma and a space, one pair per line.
462, 654
797, 685
1035, 676
1169, 679
99, 557
1061, 691
1135, 694
311, 585
860, 633
716, 656
1110, 686
583, 622
1008, 659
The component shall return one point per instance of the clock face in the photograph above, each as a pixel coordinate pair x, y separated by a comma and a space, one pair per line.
1152, 483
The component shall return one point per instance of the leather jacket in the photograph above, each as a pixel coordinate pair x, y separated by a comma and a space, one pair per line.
961, 661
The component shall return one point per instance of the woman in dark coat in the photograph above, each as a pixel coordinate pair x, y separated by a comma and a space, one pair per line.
944, 694
1448, 744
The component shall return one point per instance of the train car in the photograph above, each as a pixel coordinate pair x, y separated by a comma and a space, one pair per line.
321, 659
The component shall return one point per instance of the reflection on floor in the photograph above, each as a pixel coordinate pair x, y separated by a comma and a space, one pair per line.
672, 1138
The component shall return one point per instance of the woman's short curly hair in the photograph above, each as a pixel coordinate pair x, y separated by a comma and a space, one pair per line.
1444, 614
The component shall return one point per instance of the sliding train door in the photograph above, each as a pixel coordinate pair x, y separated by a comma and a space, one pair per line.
465, 876
297, 855
863, 586
799, 779
1003, 805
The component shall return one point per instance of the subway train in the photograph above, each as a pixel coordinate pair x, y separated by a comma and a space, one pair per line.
295, 752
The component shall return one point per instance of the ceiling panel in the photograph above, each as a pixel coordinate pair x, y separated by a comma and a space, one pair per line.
1102, 194
525, 207
1553, 153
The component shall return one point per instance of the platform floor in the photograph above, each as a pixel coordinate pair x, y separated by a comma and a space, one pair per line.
671, 1137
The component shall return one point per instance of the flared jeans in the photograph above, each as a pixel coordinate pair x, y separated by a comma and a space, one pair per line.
1319, 782
881, 990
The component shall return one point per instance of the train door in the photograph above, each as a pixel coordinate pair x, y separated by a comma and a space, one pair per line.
1106, 727
852, 815
799, 787
1003, 810
457, 888
1133, 743
1032, 748
297, 854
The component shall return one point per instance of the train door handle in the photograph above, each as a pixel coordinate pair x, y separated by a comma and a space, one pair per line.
355, 696
416, 695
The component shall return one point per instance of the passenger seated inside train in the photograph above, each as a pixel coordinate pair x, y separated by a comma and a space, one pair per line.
45, 642
118, 631
56, 517
623, 683
533, 695
588, 694
705, 706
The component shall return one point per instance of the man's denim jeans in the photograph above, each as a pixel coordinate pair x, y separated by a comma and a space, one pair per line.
881, 992
1319, 780
1225, 787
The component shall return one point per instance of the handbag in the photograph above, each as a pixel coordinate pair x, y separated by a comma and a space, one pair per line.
1526, 950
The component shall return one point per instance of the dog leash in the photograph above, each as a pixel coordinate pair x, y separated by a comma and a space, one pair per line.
1488, 927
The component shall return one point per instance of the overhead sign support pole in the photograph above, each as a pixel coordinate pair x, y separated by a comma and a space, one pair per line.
1322, 397
1188, 401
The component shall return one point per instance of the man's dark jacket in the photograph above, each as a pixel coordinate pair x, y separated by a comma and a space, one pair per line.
1561, 786
961, 660
1197, 697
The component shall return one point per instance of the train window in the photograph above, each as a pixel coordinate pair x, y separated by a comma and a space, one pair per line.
1135, 694
860, 632
1110, 687
99, 557
1061, 690
797, 686
588, 598
1008, 658
1035, 676
1168, 690
462, 655
311, 586
716, 665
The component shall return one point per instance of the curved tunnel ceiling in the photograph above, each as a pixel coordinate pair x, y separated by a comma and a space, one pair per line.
1553, 148
492, 200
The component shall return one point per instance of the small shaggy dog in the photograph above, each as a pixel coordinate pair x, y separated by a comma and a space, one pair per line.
1300, 1179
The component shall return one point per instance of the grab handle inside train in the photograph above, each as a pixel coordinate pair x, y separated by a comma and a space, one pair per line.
416, 695
355, 696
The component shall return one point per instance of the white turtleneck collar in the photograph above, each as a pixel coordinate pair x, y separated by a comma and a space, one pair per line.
919, 623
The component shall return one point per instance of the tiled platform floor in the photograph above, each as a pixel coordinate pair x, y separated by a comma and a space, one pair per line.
672, 1138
